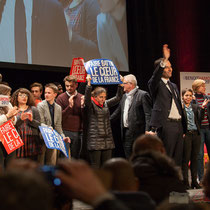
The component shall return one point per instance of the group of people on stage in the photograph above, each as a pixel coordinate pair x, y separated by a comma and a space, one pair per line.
84, 121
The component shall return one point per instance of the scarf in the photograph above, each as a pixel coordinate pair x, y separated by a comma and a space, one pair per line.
96, 102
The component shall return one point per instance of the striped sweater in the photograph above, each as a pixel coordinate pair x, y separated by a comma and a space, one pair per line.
200, 99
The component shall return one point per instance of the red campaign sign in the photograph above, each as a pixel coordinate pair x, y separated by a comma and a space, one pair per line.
10, 137
78, 69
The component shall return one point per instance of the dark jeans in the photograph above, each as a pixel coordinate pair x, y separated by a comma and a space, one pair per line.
99, 157
192, 143
4, 157
76, 143
172, 137
205, 138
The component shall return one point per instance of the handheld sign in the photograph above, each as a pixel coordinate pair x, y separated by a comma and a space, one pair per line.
10, 137
78, 69
4, 100
103, 72
53, 140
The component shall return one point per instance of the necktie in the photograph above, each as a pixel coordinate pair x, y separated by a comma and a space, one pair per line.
174, 96
172, 90
20, 33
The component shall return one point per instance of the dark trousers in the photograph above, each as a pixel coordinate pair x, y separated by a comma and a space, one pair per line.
172, 136
191, 149
205, 139
76, 143
99, 157
128, 141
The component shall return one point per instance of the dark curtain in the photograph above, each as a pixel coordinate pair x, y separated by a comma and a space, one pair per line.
152, 23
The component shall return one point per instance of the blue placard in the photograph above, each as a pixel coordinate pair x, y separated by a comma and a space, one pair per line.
103, 72
53, 140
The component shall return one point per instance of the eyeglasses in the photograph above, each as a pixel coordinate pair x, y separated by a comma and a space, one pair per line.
23, 95
125, 83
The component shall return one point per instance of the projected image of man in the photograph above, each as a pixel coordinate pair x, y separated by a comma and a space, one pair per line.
34, 32
81, 20
112, 32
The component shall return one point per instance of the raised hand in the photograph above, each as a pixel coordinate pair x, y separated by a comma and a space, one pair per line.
166, 52
12, 112
206, 101
23, 116
26, 115
88, 78
30, 116
79, 181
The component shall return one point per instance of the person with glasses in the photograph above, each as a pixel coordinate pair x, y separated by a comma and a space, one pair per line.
135, 111
28, 120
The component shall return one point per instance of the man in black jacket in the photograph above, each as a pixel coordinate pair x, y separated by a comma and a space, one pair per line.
135, 112
166, 118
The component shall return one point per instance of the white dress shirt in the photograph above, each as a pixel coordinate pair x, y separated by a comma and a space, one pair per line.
128, 100
174, 112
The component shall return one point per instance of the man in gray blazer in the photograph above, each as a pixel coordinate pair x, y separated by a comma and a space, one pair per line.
51, 115
135, 111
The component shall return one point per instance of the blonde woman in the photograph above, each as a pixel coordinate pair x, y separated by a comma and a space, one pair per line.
199, 89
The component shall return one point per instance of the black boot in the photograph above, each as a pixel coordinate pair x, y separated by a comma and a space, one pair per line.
186, 184
195, 185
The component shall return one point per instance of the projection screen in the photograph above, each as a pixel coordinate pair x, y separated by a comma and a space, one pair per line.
53, 32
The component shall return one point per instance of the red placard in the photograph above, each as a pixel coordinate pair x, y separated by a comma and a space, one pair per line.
10, 137
78, 69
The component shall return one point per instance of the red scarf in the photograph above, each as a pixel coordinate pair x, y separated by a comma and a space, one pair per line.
96, 102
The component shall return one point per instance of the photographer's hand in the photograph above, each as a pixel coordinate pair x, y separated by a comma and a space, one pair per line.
80, 181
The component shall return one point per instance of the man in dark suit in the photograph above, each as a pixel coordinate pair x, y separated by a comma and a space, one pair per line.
135, 111
166, 118
45, 40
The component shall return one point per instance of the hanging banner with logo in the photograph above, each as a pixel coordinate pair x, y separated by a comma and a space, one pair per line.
10, 137
4, 100
103, 72
53, 140
187, 78
78, 69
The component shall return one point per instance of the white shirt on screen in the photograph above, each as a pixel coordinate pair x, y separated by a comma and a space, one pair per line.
7, 31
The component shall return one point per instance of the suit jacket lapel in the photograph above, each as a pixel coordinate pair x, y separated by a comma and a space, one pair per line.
132, 101
55, 113
166, 88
